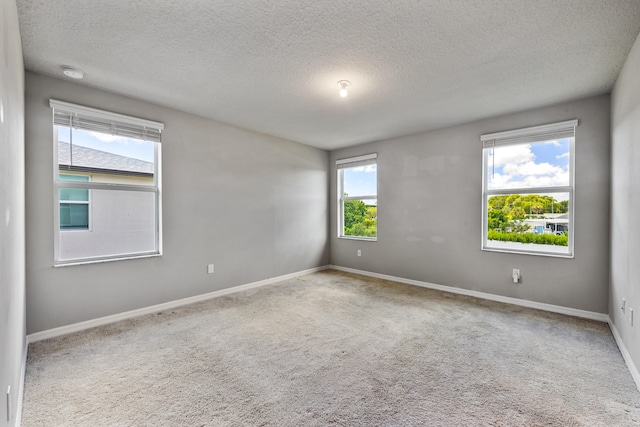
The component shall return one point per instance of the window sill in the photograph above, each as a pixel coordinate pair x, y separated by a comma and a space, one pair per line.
525, 252
366, 239
102, 260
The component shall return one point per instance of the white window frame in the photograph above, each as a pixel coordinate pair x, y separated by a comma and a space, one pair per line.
559, 130
76, 202
116, 124
341, 164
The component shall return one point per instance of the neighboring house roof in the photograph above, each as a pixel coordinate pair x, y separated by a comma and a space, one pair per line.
89, 159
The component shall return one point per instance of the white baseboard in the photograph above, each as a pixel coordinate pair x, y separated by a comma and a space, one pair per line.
23, 373
76, 327
625, 354
482, 295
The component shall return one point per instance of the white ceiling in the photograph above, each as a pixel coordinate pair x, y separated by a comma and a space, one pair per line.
273, 65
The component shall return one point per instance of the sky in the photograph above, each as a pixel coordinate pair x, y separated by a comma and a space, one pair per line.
361, 181
128, 147
541, 164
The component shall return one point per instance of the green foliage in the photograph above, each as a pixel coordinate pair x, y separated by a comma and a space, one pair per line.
519, 227
541, 239
517, 213
360, 219
354, 212
497, 202
498, 219
507, 212
529, 204
562, 207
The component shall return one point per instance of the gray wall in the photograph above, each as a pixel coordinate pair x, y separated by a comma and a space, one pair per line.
625, 202
12, 209
429, 212
252, 204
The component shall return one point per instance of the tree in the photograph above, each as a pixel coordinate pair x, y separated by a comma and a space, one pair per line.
519, 227
358, 229
372, 212
354, 212
497, 219
497, 202
536, 208
530, 204
360, 219
517, 213
511, 201
562, 207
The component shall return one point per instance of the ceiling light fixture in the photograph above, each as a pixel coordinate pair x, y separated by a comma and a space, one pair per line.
344, 84
72, 72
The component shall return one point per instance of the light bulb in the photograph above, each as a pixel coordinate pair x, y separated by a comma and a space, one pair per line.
344, 84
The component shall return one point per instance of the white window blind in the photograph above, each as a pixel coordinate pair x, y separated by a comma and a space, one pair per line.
559, 130
352, 162
92, 119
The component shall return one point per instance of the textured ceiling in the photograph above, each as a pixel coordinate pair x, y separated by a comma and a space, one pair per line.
272, 65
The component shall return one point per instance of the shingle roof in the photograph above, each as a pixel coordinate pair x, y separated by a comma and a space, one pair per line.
84, 157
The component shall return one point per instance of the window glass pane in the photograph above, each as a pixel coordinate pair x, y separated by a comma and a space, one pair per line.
360, 218
74, 194
529, 222
74, 216
71, 194
114, 159
360, 181
539, 164
66, 177
122, 223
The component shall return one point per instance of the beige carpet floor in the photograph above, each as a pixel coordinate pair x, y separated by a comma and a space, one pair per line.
333, 348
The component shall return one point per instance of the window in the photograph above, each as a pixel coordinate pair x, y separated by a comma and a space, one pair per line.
358, 197
528, 190
107, 185
74, 204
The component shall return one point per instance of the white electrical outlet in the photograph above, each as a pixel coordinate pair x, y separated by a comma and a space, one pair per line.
624, 305
359, 252
516, 275
210, 269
